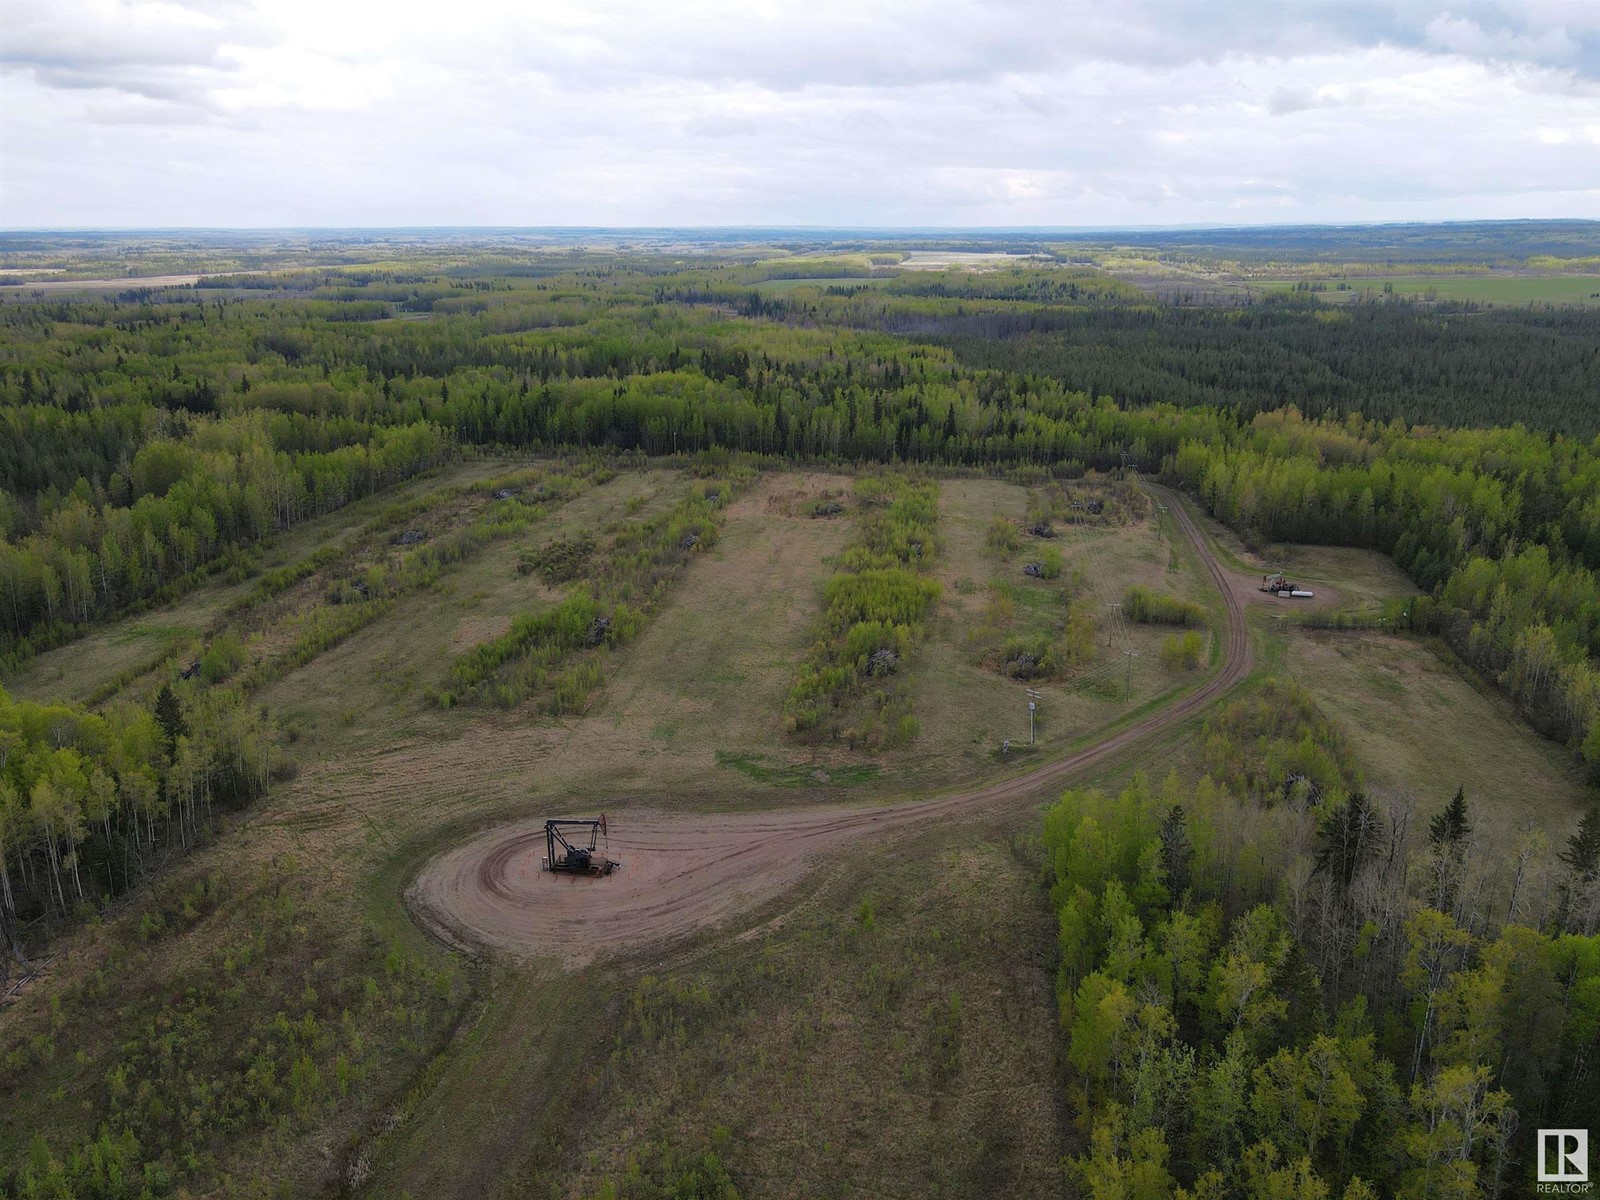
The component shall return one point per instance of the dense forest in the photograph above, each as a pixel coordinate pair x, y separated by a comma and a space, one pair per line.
1383, 360
1243, 964
1272, 987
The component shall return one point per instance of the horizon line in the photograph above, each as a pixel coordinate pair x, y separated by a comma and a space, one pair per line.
1182, 227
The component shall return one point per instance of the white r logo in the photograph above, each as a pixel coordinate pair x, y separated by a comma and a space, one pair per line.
1563, 1156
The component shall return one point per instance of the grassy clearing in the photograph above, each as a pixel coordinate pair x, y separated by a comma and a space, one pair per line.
967, 709
854, 1024
181, 984
1420, 730
1362, 579
904, 998
124, 648
556, 654
369, 690
905, 1004
511, 1088
1347, 580
709, 675
410, 548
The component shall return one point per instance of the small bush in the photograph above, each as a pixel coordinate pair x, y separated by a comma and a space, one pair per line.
222, 658
1150, 607
1181, 651
1003, 537
559, 561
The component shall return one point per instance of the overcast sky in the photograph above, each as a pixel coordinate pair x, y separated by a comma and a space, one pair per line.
117, 113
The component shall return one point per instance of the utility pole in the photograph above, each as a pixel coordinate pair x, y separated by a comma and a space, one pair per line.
1033, 712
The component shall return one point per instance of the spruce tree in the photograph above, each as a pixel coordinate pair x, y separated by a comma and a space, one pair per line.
1451, 827
169, 715
1176, 850
1582, 854
1347, 836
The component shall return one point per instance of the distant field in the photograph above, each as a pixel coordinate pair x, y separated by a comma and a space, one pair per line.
920, 260
945, 260
1496, 288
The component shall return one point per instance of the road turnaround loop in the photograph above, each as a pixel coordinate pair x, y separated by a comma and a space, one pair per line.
686, 872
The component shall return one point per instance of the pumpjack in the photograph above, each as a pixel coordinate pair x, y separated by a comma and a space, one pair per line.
570, 855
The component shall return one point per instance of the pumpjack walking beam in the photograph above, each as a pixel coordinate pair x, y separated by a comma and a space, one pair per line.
576, 854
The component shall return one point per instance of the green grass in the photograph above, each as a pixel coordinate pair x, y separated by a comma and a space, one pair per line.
794, 775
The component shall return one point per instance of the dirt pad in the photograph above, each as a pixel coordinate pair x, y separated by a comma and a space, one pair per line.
679, 873
682, 873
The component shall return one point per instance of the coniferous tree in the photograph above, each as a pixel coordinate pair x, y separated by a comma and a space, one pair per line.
1451, 826
1580, 893
1348, 836
1448, 832
1176, 850
1582, 854
169, 715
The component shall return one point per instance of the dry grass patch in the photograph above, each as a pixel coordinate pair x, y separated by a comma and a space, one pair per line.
893, 1042
1420, 730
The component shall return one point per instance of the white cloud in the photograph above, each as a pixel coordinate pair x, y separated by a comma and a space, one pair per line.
833, 111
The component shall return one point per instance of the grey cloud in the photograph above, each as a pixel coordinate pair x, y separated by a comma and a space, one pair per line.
1287, 100
942, 112
172, 52
907, 44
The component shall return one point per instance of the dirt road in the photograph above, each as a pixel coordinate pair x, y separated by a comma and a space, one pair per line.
683, 873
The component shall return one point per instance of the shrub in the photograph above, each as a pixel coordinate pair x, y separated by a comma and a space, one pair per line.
1002, 537
559, 561
1181, 651
1077, 638
873, 611
1150, 607
1029, 656
222, 658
